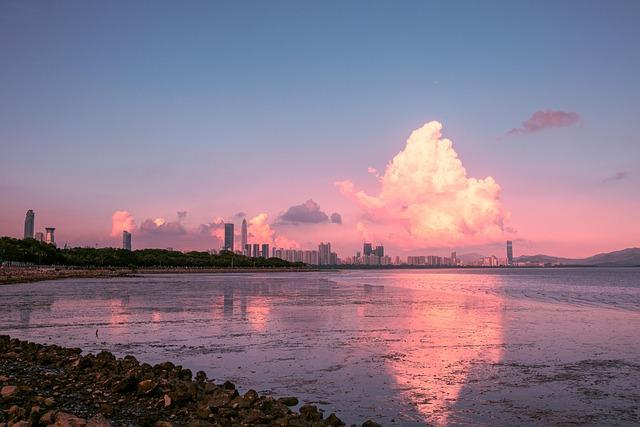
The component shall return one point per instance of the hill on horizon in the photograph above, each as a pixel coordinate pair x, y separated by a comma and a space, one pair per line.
628, 257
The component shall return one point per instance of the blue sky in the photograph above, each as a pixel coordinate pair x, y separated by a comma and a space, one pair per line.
150, 106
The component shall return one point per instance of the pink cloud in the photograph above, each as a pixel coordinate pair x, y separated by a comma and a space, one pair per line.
121, 221
427, 200
546, 119
261, 232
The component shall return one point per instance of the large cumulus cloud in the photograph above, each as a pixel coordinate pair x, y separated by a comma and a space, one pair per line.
122, 221
426, 198
260, 231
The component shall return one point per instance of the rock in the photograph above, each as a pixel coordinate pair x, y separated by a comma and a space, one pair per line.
167, 401
4, 378
201, 376
251, 395
8, 392
289, 401
370, 423
203, 412
147, 387
310, 413
17, 413
255, 416
163, 424
228, 385
126, 384
98, 421
48, 418
67, 420
21, 424
333, 421
105, 409
49, 401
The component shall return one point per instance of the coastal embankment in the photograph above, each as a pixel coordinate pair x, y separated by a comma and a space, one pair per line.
52, 385
13, 275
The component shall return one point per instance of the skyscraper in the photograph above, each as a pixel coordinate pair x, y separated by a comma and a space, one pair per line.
49, 237
243, 233
228, 237
509, 252
29, 222
126, 240
367, 249
324, 253
247, 250
265, 250
39, 236
256, 250
379, 251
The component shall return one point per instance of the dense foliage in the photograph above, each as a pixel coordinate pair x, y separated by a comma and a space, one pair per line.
33, 251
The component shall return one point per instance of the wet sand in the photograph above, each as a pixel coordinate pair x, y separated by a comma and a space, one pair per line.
401, 347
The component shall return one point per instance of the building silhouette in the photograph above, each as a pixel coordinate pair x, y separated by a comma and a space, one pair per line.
49, 236
243, 234
126, 240
379, 252
324, 253
228, 237
509, 252
39, 236
256, 250
29, 222
265, 250
367, 248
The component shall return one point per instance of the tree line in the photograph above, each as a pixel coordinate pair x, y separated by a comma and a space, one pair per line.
35, 252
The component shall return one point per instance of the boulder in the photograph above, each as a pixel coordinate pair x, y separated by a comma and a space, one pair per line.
8, 392
98, 421
289, 401
68, 420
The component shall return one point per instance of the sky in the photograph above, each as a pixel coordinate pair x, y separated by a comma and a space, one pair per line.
423, 126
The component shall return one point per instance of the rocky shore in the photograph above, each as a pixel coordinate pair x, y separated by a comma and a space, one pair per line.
44, 385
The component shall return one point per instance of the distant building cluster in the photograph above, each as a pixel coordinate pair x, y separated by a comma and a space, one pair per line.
435, 260
370, 256
29, 230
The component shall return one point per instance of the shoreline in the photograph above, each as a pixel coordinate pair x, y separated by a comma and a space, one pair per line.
21, 275
49, 384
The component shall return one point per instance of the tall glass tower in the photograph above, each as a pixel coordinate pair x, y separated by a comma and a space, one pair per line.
228, 237
29, 222
509, 252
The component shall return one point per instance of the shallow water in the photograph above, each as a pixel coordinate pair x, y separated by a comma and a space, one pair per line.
534, 346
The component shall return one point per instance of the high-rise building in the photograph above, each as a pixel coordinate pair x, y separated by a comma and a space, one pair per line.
126, 240
228, 237
367, 249
244, 234
256, 250
454, 258
265, 250
324, 253
29, 222
379, 251
39, 236
49, 236
509, 252
247, 250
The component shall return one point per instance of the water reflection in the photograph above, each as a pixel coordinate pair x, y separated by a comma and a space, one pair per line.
401, 346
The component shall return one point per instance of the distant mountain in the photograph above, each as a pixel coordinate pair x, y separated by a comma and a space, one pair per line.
625, 257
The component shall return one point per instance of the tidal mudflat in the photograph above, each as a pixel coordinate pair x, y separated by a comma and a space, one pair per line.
534, 346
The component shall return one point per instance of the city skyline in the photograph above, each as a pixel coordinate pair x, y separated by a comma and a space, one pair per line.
393, 127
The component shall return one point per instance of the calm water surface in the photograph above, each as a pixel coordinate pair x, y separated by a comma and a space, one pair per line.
536, 346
